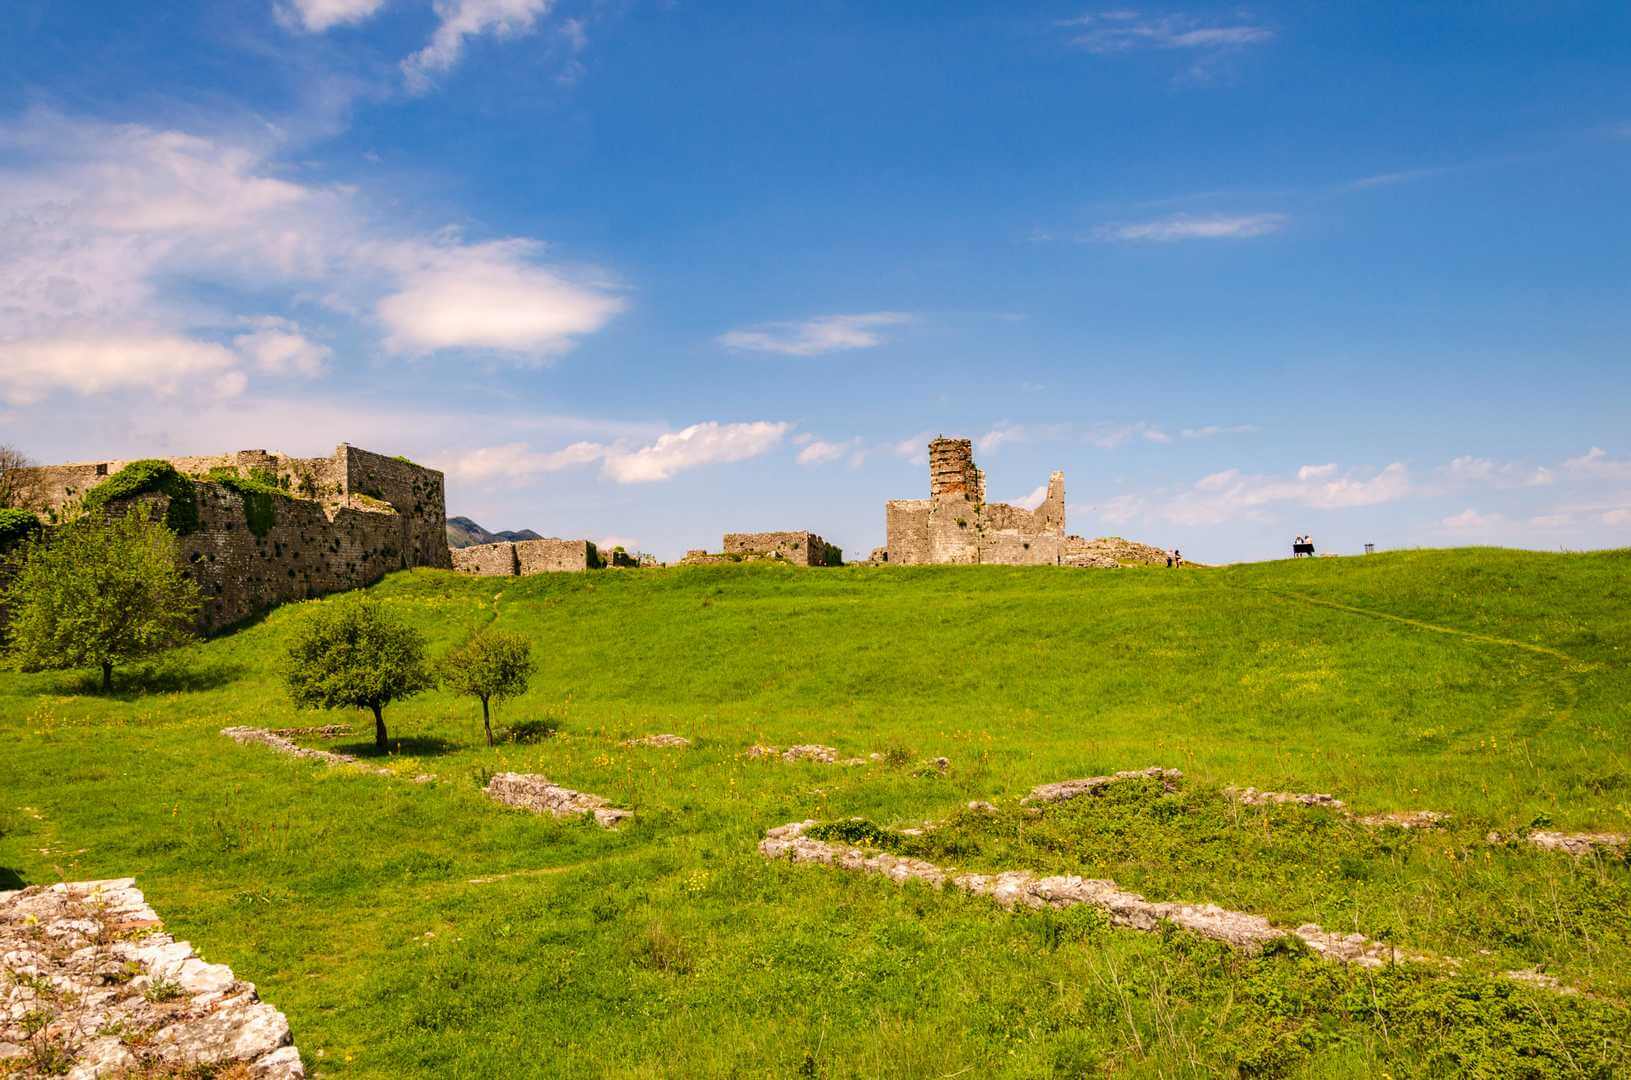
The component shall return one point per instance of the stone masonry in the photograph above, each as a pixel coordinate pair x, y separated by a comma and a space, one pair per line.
799, 548
956, 525
346, 521
510, 558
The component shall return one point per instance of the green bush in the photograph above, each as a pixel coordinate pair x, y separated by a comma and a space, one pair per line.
17, 526
260, 507
150, 476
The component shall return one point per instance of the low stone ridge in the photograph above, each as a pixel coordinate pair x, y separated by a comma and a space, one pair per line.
1578, 844
1022, 889
1110, 552
675, 742
324, 731
825, 755
277, 741
1071, 789
94, 987
1403, 819
528, 791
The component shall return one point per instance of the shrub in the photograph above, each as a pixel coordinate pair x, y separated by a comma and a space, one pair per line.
489, 664
98, 593
354, 654
149, 476
16, 526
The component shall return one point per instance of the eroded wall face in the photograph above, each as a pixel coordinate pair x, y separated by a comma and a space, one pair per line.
799, 548
956, 525
326, 540
554, 556
486, 560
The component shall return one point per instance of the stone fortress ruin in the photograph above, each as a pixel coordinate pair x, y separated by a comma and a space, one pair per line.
266, 529
796, 547
956, 525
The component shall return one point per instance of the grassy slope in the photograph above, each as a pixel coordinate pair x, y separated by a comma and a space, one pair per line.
672, 947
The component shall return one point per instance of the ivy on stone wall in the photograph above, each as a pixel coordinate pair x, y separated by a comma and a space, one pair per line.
150, 476
259, 497
17, 526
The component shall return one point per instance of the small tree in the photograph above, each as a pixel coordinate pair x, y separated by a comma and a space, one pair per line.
353, 654
99, 593
16, 484
490, 664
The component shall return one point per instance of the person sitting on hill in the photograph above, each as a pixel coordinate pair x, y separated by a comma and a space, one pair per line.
1177, 557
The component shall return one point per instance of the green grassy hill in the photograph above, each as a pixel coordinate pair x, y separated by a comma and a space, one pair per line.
419, 928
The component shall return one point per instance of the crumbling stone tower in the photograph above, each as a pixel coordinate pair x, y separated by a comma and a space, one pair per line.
956, 525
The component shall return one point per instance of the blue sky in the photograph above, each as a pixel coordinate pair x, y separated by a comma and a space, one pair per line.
655, 271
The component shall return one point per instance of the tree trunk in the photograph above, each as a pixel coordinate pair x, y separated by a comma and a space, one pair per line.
107, 676
485, 722
379, 730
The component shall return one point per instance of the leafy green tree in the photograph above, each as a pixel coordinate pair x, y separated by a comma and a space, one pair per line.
353, 654
99, 593
490, 664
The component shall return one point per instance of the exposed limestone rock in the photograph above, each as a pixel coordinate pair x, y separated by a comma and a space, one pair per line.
1022, 889
1070, 789
1111, 551
1403, 819
1578, 844
536, 793
247, 735
91, 978
678, 742
325, 731
825, 755
1252, 797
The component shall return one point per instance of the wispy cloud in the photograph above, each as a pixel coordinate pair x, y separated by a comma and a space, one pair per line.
1390, 179
812, 337
1188, 227
823, 452
673, 452
1468, 470
1211, 431
463, 19
1108, 436
1109, 32
317, 16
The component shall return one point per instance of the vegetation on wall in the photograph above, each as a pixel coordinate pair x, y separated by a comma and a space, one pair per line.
258, 491
17, 526
150, 476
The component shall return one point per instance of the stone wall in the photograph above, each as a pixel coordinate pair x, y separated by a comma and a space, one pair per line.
956, 525
799, 548
346, 521
521, 557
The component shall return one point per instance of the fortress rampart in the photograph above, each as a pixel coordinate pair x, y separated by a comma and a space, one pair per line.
513, 558
338, 523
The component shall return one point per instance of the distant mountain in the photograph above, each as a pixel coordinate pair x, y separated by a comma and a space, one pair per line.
462, 532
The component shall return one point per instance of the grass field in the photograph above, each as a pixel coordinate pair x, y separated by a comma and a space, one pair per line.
420, 929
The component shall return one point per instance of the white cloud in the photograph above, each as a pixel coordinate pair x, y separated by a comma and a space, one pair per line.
1129, 31
1469, 470
107, 227
1036, 498
1618, 517
708, 443
1118, 510
1231, 494
1186, 227
1213, 430
1316, 472
828, 333
997, 436
488, 296
914, 448
317, 16
516, 461
627, 543
462, 19
1470, 519
1109, 436
821, 452
277, 346
1596, 463
30, 370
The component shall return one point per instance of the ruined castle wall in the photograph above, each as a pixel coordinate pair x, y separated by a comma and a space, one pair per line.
550, 555
358, 516
486, 560
302, 555
956, 525
799, 548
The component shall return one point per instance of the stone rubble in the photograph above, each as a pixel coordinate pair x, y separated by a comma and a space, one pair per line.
325, 731
1017, 888
1403, 819
824, 755
529, 791
1071, 789
277, 741
91, 985
1576, 844
677, 742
